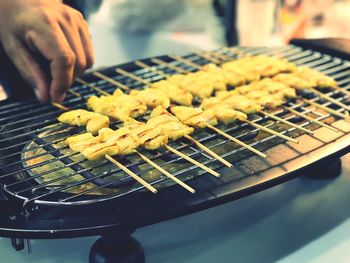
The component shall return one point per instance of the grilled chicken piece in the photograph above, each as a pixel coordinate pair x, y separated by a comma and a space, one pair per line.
200, 84
175, 93
149, 136
93, 121
126, 141
98, 151
194, 117
256, 67
295, 81
171, 125
81, 141
120, 106
152, 97
322, 80
229, 77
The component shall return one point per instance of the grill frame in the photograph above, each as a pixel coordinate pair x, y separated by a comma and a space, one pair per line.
263, 183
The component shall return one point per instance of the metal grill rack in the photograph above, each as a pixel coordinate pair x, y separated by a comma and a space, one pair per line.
27, 127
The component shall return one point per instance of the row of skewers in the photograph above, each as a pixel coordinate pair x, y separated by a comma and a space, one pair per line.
253, 93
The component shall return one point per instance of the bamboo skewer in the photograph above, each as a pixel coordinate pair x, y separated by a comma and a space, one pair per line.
306, 117
329, 110
132, 174
172, 177
92, 87
145, 66
344, 91
268, 130
247, 146
165, 64
59, 106
330, 99
285, 122
185, 61
205, 168
110, 80
207, 57
207, 150
132, 76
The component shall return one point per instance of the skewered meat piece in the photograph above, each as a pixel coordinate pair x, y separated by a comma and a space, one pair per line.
171, 125
229, 77
322, 80
194, 117
294, 81
152, 97
253, 68
120, 106
200, 84
93, 121
175, 93
149, 136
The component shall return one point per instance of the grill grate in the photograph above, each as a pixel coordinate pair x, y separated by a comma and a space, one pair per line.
28, 127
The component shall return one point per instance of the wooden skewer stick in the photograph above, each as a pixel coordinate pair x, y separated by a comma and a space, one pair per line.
202, 54
268, 130
92, 87
76, 94
132, 76
344, 91
59, 106
132, 174
172, 177
329, 110
110, 80
165, 64
330, 99
205, 168
145, 66
207, 150
306, 117
247, 146
185, 61
285, 122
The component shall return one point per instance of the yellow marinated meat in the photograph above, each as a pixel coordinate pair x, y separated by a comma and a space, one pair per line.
242, 103
295, 81
126, 141
171, 125
152, 97
194, 117
149, 136
78, 142
119, 106
229, 77
322, 80
93, 121
175, 93
98, 151
227, 115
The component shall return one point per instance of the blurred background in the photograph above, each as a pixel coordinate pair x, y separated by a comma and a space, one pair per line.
152, 27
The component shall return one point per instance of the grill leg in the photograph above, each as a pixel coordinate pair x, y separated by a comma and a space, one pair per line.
328, 169
119, 247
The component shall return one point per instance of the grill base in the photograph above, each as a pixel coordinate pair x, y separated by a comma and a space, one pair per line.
117, 249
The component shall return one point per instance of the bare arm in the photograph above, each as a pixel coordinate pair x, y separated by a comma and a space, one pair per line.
55, 31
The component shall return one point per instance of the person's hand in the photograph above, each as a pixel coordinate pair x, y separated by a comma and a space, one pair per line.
56, 32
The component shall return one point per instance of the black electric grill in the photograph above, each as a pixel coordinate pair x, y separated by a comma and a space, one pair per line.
36, 169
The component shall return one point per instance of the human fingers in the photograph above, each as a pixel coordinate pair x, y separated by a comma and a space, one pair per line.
28, 67
53, 45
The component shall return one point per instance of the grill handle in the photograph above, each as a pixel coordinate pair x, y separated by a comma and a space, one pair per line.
338, 47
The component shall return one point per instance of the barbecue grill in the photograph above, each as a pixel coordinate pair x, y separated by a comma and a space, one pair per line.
48, 192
